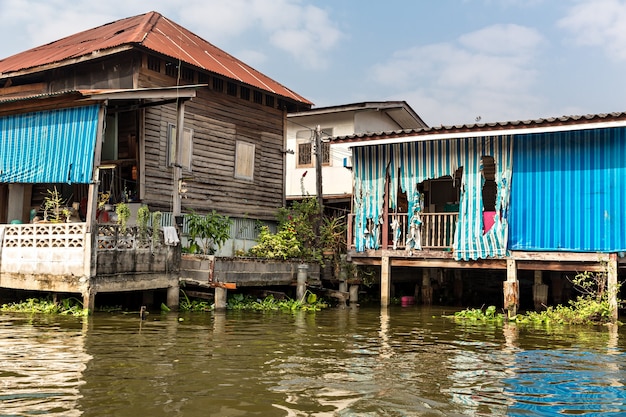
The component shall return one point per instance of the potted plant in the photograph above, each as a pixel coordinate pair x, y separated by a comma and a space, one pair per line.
123, 214
143, 218
212, 230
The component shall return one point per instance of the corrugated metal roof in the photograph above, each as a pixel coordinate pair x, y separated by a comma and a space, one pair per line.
482, 129
399, 111
155, 32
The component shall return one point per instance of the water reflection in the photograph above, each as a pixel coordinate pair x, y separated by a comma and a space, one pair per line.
338, 362
42, 361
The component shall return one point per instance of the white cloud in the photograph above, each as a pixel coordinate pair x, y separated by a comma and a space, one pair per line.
488, 73
301, 30
598, 23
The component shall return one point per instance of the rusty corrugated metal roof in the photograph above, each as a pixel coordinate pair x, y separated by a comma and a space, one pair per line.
482, 129
152, 31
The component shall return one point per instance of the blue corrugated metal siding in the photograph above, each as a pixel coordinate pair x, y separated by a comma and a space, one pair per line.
569, 191
409, 164
54, 146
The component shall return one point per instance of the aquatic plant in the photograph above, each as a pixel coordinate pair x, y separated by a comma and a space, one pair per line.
592, 306
67, 306
270, 303
193, 305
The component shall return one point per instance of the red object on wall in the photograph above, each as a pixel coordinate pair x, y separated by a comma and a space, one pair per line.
489, 218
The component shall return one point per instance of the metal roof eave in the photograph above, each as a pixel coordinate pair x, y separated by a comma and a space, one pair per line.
427, 136
159, 93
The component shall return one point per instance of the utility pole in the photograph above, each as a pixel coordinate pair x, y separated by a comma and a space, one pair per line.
318, 175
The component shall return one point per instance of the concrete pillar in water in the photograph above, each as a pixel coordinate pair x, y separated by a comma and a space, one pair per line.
511, 288
303, 274
612, 285
354, 294
220, 298
385, 281
540, 292
427, 289
89, 299
173, 297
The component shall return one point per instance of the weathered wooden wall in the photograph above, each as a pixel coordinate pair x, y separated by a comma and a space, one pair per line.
218, 121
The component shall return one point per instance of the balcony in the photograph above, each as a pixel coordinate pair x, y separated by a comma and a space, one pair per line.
436, 231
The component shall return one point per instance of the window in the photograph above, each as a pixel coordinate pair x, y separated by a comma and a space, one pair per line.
231, 89
186, 149
305, 140
257, 97
244, 160
244, 92
218, 84
154, 64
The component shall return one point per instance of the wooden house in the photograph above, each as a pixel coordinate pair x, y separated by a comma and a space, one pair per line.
140, 111
539, 197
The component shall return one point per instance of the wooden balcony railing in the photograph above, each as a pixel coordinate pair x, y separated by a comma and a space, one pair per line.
436, 231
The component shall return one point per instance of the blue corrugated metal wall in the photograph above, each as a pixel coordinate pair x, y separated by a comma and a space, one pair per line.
569, 191
55, 146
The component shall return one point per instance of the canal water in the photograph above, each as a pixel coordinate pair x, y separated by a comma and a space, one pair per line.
338, 362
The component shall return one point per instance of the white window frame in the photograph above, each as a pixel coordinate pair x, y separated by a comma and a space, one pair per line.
244, 151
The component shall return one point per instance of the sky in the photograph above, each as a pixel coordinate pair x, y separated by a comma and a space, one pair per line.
453, 61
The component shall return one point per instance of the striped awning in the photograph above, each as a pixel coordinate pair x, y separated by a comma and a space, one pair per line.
55, 146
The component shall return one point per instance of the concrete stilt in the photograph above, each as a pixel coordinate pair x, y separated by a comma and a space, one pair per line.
354, 294
540, 292
385, 281
220, 298
427, 289
511, 288
303, 273
343, 287
173, 297
89, 299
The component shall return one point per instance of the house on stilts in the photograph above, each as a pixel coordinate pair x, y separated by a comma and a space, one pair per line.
525, 203
140, 111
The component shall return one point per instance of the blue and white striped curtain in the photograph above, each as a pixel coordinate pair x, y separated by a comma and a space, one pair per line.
409, 164
49, 146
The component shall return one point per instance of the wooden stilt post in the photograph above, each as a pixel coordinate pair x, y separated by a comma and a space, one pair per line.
540, 292
385, 281
612, 285
427, 289
556, 282
511, 288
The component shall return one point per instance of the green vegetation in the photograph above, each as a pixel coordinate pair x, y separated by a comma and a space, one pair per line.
53, 202
143, 218
246, 302
296, 236
123, 214
197, 306
67, 306
269, 303
212, 230
592, 306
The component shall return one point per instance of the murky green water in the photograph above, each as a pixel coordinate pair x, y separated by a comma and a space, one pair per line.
338, 362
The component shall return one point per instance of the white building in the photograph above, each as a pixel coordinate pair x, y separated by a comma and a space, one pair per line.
342, 120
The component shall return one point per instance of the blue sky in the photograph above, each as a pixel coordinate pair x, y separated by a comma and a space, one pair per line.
451, 60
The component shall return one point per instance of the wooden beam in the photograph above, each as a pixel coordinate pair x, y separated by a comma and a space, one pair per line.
385, 282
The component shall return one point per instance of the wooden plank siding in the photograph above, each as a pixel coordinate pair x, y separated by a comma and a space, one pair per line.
218, 121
